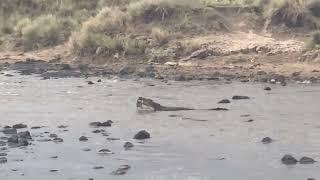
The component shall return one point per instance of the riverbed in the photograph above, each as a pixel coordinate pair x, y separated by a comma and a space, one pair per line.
188, 145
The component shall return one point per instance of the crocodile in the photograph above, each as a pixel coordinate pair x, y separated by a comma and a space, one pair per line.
149, 104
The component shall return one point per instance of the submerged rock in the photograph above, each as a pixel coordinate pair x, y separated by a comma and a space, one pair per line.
53, 135
101, 124
9, 131
266, 140
13, 139
289, 160
90, 82
19, 126
267, 88
98, 167
57, 140
240, 97
105, 151
123, 169
224, 101
306, 160
3, 160
25, 134
83, 138
2, 143
128, 145
3, 154
142, 135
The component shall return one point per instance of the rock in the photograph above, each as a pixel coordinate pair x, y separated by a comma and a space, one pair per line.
250, 120
142, 135
219, 109
266, 140
25, 134
97, 131
224, 101
23, 142
127, 70
267, 88
54, 157
99, 80
105, 151
83, 138
57, 140
13, 139
54, 170
9, 131
90, 82
53, 135
121, 170
3, 160
62, 127
113, 139
128, 145
180, 78
289, 160
98, 167
3, 154
240, 97
86, 149
101, 124
311, 179
19, 126
36, 127
2, 143
306, 160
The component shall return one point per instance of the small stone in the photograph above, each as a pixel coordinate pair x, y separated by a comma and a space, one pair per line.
240, 97
289, 160
54, 170
3, 154
311, 179
101, 124
96, 131
98, 167
128, 145
25, 134
267, 88
90, 82
23, 142
19, 126
83, 138
3, 160
99, 80
2, 143
86, 149
250, 120
224, 101
113, 139
54, 157
62, 127
57, 140
105, 151
9, 131
36, 127
266, 140
53, 135
306, 160
142, 135
13, 139
121, 170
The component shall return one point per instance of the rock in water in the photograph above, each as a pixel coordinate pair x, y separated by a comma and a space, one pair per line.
289, 160
9, 131
83, 138
224, 101
3, 160
25, 134
121, 170
105, 151
306, 160
266, 140
142, 135
240, 97
267, 88
128, 145
13, 139
19, 126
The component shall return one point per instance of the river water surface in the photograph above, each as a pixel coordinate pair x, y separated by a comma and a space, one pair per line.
186, 145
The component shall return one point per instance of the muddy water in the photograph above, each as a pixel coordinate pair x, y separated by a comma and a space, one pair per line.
193, 145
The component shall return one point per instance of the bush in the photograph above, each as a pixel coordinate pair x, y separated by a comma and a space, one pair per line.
161, 36
42, 32
314, 43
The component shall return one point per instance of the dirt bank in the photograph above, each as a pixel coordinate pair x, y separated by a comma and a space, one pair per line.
246, 50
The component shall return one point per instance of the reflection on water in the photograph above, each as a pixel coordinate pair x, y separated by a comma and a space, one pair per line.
222, 146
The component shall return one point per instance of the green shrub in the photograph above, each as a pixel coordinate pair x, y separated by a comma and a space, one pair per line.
42, 32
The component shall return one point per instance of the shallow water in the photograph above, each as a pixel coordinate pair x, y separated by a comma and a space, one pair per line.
221, 146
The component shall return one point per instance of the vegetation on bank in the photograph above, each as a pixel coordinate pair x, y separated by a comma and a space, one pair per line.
132, 27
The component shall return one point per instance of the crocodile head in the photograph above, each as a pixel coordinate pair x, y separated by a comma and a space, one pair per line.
146, 104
